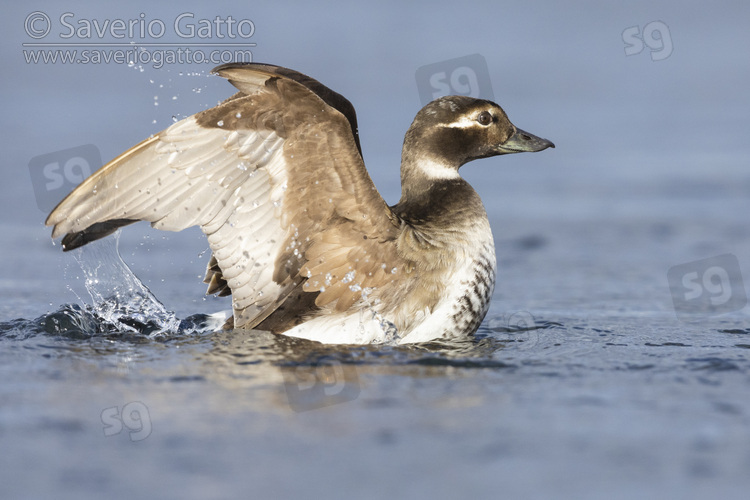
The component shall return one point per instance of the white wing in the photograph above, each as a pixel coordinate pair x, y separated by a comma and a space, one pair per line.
180, 178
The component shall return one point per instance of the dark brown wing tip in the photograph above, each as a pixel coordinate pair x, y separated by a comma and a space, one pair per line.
71, 241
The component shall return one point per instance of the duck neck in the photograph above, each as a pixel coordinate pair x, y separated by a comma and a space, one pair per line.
432, 197
444, 222
421, 171
433, 194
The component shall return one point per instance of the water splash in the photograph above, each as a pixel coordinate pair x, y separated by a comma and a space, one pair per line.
119, 297
391, 336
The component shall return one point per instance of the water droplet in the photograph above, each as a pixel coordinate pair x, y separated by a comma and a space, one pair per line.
220, 123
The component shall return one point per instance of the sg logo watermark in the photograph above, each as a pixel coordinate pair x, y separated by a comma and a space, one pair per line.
328, 382
655, 36
466, 75
134, 417
520, 326
54, 175
712, 286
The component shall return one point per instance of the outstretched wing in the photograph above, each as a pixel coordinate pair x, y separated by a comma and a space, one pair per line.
275, 179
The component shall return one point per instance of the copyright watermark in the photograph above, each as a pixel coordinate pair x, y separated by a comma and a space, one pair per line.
39, 25
655, 36
519, 327
467, 75
68, 39
709, 286
325, 383
134, 417
54, 175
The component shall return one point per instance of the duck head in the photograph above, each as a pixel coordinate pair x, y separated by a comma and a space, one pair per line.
453, 130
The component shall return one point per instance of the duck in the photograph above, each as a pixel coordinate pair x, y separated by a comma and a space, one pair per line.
300, 237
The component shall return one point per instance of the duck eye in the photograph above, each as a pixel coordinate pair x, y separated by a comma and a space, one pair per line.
484, 118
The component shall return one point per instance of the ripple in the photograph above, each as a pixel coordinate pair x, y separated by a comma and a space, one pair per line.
713, 364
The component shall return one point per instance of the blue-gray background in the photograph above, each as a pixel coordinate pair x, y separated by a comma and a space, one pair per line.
650, 171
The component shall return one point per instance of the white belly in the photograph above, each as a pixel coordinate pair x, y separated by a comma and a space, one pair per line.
363, 326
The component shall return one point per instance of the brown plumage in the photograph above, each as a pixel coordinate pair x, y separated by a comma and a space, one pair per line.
300, 236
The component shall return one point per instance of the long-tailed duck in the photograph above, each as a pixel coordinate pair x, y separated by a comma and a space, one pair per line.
301, 238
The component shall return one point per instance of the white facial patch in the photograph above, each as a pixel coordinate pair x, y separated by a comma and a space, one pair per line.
465, 121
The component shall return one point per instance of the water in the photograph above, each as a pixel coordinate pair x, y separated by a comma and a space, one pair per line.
586, 380
581, 381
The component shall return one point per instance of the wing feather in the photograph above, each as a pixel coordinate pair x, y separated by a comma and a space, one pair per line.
275, 179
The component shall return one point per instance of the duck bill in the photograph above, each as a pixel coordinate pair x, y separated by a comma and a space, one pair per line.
523, 142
